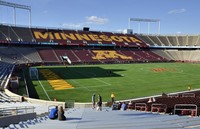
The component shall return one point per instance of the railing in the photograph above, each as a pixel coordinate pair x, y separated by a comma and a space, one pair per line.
186, 109
188, 95
8, 111
140, 106
159, 108
173, 95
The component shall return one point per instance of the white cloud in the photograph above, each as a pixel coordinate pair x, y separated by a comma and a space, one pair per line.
71, 25
96, 20
89, 20
177, 11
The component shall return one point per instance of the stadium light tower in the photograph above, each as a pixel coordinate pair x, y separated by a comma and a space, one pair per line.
14, 6
139, 20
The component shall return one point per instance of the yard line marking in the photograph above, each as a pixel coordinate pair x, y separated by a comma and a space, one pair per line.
44, 89
80, 84
92, 78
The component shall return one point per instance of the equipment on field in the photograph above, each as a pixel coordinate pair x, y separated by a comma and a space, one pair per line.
33, 73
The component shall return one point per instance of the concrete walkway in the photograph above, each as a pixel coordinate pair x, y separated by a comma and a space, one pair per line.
86, 118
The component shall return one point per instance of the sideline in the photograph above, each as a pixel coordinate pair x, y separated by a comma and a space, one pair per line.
44, 89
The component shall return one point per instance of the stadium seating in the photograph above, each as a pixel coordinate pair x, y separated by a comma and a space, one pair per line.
156, 40
166, 104
22, 55
84, 55
3, 36
67, 52
47, 55
69, 39
147, 40
171, 40
193, 40
179, 55
84, 35
30, 54
24, 34
138, 43
103, 35
5, 33
12, 55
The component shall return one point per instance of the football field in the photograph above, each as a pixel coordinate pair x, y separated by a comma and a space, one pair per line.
127, 81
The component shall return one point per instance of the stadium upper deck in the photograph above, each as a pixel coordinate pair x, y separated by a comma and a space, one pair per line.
21, 35
42, 36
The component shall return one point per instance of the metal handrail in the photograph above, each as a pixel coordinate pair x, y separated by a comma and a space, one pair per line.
188, 107
140, 105
157, 105
8, 111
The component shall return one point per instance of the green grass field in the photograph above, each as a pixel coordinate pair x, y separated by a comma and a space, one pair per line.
127, 81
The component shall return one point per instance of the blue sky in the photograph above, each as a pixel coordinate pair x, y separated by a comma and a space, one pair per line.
176, 16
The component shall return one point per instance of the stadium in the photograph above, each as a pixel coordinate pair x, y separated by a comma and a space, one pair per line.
156, 76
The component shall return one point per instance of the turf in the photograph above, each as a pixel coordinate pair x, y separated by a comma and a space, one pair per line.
127, 81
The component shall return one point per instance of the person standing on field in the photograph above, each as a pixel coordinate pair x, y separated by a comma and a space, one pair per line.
189, 87
112, 97
99, 103
93, 101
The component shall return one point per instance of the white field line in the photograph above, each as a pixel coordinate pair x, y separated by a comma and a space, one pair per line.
80, 84
94, 78
87, 87
44, 89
